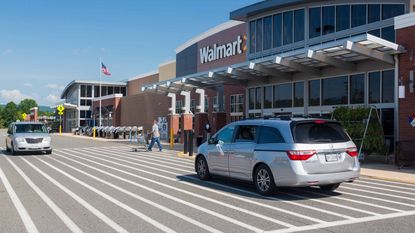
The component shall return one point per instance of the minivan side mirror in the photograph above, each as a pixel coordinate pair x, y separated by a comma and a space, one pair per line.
212, 140
9, 132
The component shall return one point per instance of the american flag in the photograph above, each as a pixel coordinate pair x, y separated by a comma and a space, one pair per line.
104, 69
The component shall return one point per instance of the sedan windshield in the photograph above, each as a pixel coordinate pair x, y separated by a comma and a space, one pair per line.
31, 128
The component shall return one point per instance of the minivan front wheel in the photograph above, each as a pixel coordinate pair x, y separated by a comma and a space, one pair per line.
202, 168
329, 187
264, 181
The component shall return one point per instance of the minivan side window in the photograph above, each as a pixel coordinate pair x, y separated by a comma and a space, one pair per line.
9, 130
270, 135
226, 134
246, 133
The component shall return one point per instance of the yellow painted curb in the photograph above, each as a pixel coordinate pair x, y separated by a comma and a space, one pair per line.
183, 155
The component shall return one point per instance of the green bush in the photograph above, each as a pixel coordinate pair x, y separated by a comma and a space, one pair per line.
354, 121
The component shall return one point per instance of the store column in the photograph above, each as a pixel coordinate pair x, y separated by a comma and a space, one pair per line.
200, 118
187, 125
219, 117
173, 118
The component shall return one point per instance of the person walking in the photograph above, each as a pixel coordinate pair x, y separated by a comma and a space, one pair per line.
156, 136
208, 130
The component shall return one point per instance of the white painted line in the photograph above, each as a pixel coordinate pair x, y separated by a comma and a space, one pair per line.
21, 210
65, 219
386, 181
352, 200
385, 185
81, 201
378, 193
170, 211
183, 191
345, 222
377, 199
333, 204
383, 189
224, 217
213, 190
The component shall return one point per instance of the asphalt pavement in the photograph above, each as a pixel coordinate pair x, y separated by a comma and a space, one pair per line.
98, 186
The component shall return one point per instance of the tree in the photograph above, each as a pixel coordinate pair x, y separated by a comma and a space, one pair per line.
26, 104
9, 114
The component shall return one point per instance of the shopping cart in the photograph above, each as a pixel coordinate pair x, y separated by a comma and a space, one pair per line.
140, 140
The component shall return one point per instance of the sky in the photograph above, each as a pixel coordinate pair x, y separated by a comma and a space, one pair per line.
46, 44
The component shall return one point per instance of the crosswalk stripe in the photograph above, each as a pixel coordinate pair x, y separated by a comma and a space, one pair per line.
377, 199
383, 189
219, 185
170, 211
21, 210
386, 185
81, 201
58, 211
331, 203
378, 193
352, 200
190, 204
386, 181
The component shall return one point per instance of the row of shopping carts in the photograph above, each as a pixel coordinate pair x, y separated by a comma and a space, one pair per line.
135, 134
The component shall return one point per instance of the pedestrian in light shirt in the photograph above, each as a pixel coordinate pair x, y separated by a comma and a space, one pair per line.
156, 136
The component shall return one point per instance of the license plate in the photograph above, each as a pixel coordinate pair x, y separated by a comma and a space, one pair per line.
332, 157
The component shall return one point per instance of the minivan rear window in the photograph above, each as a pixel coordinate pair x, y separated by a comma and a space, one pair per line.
319, 132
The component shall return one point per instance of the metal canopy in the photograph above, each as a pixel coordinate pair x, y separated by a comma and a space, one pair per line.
342, 54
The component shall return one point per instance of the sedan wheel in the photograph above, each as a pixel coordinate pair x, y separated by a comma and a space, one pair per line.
7, 148
202, 168
264, 181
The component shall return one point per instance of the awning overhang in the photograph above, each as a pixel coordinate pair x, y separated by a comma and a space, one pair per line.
343, 55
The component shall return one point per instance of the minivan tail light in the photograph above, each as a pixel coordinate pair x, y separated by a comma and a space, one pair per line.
319, 122
300, 154
352, 151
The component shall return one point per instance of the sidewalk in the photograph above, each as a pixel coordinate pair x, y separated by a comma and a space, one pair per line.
376, 170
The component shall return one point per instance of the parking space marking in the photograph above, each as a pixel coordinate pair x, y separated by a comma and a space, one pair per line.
58, 211
81, 201
219, 185
383, 189
386, 185
170, 211
21, 210
377, 199
189, 193
386, 181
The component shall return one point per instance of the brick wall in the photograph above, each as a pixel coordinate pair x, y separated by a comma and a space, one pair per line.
406, 38
134, 86
116, 113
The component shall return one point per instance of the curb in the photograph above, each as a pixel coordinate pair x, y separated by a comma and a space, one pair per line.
186, 156
389, 179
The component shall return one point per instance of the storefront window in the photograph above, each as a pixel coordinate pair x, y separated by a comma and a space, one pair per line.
237, 102
258, 98
373, 13
251, 98
88, 91
110, 90
342, 17
287, 27
96, 91
299, 94
335, 90
314, 22
252, 33
357, 89
388, 33
259, 35
277, 32
123, 91
374, 87
375, 32
328, 19
206, 103
392, 10
388, 86
104, 91
83, 91
267, 32
358, 15
241, 103
298, 25
268, 97
179, 106
283, 96
314, 92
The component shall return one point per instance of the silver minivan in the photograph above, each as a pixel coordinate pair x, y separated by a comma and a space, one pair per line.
281, 153
28, 137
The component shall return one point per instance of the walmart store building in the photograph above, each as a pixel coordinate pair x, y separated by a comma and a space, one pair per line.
293, 57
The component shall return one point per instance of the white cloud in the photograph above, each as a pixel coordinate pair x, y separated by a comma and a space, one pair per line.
13, 95
27, 85
6, 52
55, 86
52, 99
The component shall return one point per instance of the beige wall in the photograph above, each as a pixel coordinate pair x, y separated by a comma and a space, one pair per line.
167, 70
134, 85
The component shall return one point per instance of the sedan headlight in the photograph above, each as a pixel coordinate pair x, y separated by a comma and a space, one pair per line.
46, 139
20, 140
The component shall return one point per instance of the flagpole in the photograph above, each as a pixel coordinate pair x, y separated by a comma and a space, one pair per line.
100, 92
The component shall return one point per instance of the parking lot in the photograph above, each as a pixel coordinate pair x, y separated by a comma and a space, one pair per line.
95, 186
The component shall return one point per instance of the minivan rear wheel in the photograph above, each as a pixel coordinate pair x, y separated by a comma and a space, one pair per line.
202, 168
264, 181
329, 187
